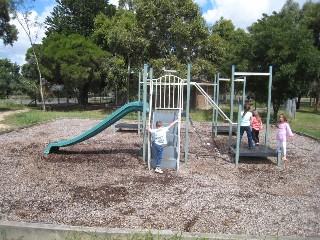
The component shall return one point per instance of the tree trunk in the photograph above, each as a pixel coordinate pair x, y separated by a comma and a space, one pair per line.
83, 97
276, 107
298, 102
316, 105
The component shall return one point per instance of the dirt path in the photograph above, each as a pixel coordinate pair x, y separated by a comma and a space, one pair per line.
4, 114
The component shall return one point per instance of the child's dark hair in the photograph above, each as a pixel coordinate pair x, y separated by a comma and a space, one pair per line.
246, 108
158, 124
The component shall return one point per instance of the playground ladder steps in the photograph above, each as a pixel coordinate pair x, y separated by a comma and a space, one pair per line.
172, 149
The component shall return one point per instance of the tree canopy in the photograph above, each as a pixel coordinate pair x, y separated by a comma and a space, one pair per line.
91, 45
8, 32
282, 41
76, 62
9, 77
77, 17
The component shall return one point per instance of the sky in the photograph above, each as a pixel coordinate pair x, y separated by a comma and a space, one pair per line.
243, 14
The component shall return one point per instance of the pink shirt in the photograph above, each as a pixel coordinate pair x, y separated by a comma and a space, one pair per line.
284, 131
256, 123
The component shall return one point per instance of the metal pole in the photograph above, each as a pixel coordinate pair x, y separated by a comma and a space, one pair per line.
231, 105
268, 107
217, 102
214, 99
186, 147
244, 90
238, 136
144, 114
139, 99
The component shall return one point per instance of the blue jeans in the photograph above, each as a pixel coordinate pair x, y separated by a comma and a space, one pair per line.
249, 134
159, 149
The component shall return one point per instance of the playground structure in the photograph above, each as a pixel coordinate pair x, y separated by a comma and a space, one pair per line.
107, 122
166, 103
262, 150
166, 100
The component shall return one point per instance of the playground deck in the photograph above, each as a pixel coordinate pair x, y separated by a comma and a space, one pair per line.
256, 151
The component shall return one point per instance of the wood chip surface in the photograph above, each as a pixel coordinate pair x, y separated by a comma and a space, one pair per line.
103, 182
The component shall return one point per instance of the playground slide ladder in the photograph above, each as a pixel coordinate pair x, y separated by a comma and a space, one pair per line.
171, 151
214, 105
167, 94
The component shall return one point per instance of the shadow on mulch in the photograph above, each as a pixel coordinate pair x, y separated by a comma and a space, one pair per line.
255, 160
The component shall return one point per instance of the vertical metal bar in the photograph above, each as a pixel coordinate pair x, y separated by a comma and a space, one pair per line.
173, 93
214, 99
164, 92
139, 99
169, 91
160, 92
186, 147
279, 162
144, 114
217, 102
244, 90
231, 105
238, 136
156, 94
268, 107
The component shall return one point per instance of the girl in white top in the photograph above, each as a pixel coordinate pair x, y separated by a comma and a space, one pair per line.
245, 124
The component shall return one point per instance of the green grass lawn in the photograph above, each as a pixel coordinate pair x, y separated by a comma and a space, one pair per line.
306, 121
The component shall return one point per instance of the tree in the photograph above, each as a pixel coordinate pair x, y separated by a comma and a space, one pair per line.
280, 40
79, 64
77, 16
8, 32
9, 77
311, 18
22, 11
232, 46
225, 46
172, 27
121, 36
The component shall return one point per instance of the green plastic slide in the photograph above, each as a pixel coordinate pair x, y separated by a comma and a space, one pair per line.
107, 122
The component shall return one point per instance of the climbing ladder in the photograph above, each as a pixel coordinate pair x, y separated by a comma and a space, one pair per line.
166, 105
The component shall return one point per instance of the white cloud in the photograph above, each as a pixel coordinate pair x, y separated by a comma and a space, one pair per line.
243, 12
16, 53
114, 2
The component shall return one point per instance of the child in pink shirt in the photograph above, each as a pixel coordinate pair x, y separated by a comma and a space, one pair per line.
256, 124
284, 131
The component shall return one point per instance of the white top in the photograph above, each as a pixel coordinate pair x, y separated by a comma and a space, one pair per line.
245, 120
160, 135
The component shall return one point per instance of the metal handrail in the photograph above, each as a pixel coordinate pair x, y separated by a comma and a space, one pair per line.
214, 105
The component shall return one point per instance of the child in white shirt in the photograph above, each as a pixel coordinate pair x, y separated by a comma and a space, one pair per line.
160, 139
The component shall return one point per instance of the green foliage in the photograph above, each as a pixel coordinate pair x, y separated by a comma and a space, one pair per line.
172, 28
311, 18
8, 32
4, 104
9, 77
77, 17
282, 41
79, 63
120, 35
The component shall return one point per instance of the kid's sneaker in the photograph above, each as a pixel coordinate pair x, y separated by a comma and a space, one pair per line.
158, 170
